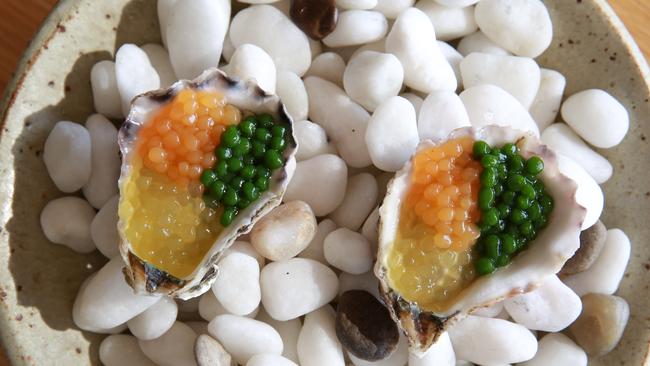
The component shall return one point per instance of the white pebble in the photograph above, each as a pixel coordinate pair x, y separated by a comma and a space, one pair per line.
122, 350
67, 221
287, 45
398, 358
108, 301
546, 105
159, 58
209, 352
326, 174
244, 338
457, 3
415, 100
318, 344
67, 156
449, 22
106, 96
155, 321
491, 105
372, 77
106, 161
174, 348
329, 66
377, 46
454, 59
210, 307
441, 113
293, 94
440, 353
288, 330
344, 120
425, 67
589, 194
605, 274
237, 286
356, 4
269, 360
348, 251
134, 74
103, 229
312, 140
519, 76
296, 287
558, 350
251, 62
245, 247
392, 8
523, 27
165, 9
228, 48
356, 27
562, 139
205, 23
360, 199
315, 248
492, 341
370, 226
550, 308
391, 144
366, 281
597, 117
479, 42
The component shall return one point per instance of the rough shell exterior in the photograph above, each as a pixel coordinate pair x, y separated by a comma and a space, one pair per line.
248, 97
545, 256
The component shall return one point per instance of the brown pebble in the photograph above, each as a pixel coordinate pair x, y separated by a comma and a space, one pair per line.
209, 352
364, 326
592, 241
600, 326
317, 18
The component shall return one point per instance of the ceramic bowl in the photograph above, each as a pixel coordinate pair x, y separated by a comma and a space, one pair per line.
39, 280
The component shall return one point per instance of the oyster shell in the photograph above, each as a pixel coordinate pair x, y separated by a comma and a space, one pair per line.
546, 255
246, 96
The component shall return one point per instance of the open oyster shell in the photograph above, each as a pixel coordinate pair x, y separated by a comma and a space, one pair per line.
248, 97
545, 256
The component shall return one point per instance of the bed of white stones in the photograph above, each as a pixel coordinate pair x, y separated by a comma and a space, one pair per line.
362, 99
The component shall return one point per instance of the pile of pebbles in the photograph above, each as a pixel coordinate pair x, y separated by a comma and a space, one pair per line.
376, 78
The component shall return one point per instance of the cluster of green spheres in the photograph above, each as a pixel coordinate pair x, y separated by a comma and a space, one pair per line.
513, 202
246, 158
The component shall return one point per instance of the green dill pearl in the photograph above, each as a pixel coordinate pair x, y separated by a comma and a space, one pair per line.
248, 172
208, 177
262, 184
508, 244
498, 189
502, 261
504, 210
518, 216
526, 229
243, 203
488, 177
508, 197
512, 230
502, 171
523, 202
249, 160
278, 131
228, 215
217, 189
534, 211
528, 190
501, 157
484, 266
278, 143
490, 217
516, 164
221, 168
263, 135
248, 126
228, 177
237, 182
230, 197
235, 164
265, 120
230, 137
273, 160
242, 148
223, 153
510, 149
258, 149
488, 161
250, 191
492, 246
263, 172
480, 149
540, 222
547, 203
485, 198
515, 182
534, 165
539, 187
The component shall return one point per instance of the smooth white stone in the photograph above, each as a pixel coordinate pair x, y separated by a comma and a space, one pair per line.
210, 307
174, 348
415, 100
454, 58
523, 27
597, 117
228, 48
251, 62
159, 58
457, 3
258, 1
67, 221
546, 105
398, 358
440, 353
244, 338
237, 286
315, 248
372, 77
558, 350
360, 199
155, 321
356, 4
370, 228
195, 33
479, 42
106, 96
245, 247
209, 352
296, 287
392, 8
492, 311
366, 281
103, 229
269, 360
441, 113
356, 27
329, 66
293, 94
391, 144
492, 341
376, 46
318, 344
344, 120
134, 74
589, 194
122, 350
108, 301
562, 139
287, 45
312, 140
288, 330
519, 76
449, 22
425, 67
605, 275
491, 105
67, 156
106, 162
165, 9
348, 251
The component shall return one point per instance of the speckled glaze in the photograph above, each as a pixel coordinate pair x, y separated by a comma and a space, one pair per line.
39, 280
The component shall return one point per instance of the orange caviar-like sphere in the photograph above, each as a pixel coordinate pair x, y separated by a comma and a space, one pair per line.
179, 141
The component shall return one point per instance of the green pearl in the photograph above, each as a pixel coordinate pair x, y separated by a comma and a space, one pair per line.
528, 190
258, 149
534, 211
228, 215
515, 164
265, 120
242, 148
208, 177
484, 266
491, 217
278, 143
488, 161
262, 184
247, 126
235, 164
230, 137
278, 131
523, 202
515, 182
489, 177
518, 216
250, 191
492, 246
230, 198
273, 160
243, 203
504, 210
249, 160
221, 168
237, 183
223, 153
485, 198
217, 189
508, 197
503, 260
547, 203
508, 244
263, 172
262, 135
534, 165
526, 228
510, 149
480, 149
248, 172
